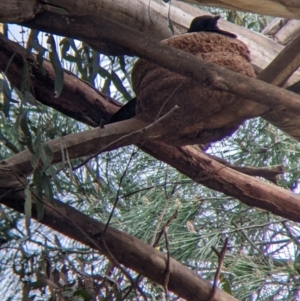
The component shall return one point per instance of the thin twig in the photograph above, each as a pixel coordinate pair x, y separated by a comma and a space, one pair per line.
154, 241
221, 256
160, 218
118, 192
133, 137
138, 278
97, 246
164, 227
168, 270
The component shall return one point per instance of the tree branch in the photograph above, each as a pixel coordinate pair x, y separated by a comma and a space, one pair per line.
206, 171
178, 61
276, 200
78, 99
67, 220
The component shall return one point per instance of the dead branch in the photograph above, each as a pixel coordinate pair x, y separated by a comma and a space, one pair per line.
159, 236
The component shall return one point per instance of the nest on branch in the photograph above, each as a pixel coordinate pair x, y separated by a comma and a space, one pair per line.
205, 114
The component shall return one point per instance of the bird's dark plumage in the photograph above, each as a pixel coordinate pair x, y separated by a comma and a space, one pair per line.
126, 112
208, 24
203, 23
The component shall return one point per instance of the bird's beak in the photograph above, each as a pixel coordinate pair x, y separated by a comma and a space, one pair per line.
215, 19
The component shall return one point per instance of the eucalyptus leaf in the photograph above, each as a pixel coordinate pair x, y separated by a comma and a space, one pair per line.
28, 208
6, 93
46, 156
225, 284
119, 85
23, 124
34, 43
47, 187
59, 72
38, 181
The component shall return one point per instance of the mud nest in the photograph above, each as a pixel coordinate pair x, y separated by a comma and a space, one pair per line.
204, 114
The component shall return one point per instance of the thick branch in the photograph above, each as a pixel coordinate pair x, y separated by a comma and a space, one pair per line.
127, 249
178, 61
87, 146
279, 70
18, 10
77, 99
204, 170
284, 65
269, 173
140, 15
77, 145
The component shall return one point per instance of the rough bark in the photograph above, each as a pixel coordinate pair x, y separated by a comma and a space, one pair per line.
212, 175
277, 73
182, 63
284, 65
277, 200
18, 10
126, 249
206, 171
137, 14
87, 99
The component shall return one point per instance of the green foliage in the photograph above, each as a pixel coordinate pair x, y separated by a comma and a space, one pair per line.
262, 259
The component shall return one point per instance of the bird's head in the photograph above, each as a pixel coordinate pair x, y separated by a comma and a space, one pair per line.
208, 23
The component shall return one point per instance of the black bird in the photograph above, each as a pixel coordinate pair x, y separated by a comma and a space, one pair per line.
198, 24
208, 23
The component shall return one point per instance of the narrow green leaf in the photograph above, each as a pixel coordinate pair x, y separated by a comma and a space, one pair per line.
65, 47
51, 171
103, 72
23, 123
26, 84
6, 92
5, 141
38, 181
33, 42
95, 66
225, 284
28, 208
47, 188
119, 85
46, 156
59, 72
